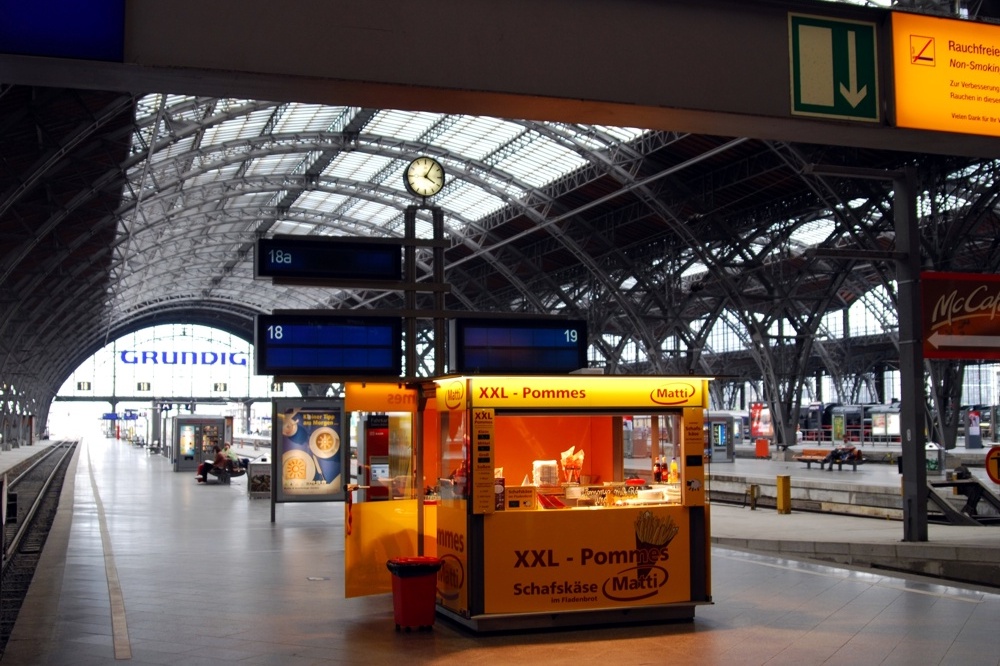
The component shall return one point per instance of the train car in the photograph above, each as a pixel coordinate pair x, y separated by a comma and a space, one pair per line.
816, 421
851, 424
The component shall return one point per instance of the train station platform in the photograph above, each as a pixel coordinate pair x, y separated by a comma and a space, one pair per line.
145, 566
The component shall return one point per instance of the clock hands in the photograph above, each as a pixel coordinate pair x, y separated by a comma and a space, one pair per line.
424, 176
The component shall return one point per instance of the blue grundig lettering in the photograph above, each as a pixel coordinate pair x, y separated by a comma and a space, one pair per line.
131, 357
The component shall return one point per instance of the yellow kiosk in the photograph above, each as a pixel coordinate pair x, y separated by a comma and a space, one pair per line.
525, 496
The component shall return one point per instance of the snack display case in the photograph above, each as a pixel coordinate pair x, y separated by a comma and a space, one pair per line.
538, 522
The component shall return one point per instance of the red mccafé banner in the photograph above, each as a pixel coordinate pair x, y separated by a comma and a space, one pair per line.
960, 315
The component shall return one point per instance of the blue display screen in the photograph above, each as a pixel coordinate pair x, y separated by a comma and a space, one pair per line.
536, 346
91, 30
311, 258
317, 345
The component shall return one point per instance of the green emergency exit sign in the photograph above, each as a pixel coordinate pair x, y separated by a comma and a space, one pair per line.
834, 68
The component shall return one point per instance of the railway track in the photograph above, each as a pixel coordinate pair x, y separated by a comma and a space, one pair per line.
37, 483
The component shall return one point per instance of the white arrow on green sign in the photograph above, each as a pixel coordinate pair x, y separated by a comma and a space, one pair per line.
834, 68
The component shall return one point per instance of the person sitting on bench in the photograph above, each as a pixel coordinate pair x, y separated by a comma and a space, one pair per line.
842, 454
237, 462
220, 462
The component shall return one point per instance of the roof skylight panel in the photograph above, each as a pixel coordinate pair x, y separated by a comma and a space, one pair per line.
170, 151
306, 118
476, 137
376, 212
240, 127
404, 125
273, 164
293, 228
543, 162
814, 232
359, 166
209, 178
472, 203
324, 202
621, 134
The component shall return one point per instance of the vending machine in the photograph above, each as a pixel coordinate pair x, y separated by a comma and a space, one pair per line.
195, 437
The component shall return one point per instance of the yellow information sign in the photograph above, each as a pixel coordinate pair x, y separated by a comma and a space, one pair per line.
583, 392
947, 74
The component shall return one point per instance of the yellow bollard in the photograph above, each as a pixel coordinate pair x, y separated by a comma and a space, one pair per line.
784, 499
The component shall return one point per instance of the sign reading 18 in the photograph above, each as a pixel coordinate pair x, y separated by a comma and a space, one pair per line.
274, 332
280, 257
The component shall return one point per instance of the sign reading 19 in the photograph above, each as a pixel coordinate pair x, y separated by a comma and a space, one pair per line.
280, 257
571, 335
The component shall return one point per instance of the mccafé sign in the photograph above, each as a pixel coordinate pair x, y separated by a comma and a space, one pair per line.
133, 357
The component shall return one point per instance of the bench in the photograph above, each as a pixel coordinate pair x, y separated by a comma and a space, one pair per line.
822, 456
227, 473
810, 456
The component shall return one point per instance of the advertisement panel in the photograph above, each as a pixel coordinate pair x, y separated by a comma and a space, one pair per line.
187, 441
960, 315
760, 420
543, 561
310, 450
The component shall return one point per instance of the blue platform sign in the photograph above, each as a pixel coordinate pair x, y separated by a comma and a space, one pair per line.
91, 30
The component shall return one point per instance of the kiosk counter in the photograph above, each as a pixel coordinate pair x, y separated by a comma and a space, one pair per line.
537, 524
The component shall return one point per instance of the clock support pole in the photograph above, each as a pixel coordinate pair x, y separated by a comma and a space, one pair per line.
410, 295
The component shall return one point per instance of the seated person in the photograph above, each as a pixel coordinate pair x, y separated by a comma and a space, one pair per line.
207, 466
237, 462
843, 454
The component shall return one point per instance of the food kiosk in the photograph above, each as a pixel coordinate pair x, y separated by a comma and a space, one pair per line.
525, 496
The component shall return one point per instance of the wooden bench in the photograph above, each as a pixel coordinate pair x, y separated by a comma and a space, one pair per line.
822, 456
810, 456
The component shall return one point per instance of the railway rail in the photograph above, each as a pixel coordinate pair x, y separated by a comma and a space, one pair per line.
36, 483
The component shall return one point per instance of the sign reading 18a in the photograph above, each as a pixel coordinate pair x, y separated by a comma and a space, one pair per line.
280, 257
311, 258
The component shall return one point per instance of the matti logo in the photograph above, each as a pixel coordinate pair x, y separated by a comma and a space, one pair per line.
451, 577
673, 394
454, 395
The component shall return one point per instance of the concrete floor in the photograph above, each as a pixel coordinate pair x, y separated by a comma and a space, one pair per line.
145, 566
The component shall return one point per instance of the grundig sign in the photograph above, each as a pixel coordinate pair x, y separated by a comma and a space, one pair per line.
961, 315
131, 357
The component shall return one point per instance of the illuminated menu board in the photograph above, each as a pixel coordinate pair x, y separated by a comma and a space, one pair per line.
323, 345
529, 346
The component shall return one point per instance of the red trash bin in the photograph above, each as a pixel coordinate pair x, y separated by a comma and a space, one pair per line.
414, 591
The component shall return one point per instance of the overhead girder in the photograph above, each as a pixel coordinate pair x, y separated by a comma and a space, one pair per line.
616, 266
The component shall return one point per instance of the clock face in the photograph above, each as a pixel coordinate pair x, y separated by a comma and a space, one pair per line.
424, 177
